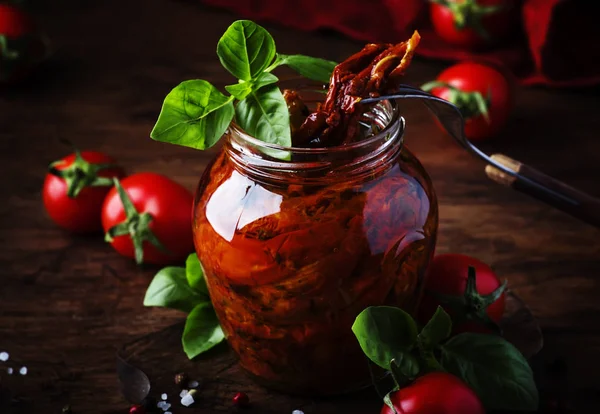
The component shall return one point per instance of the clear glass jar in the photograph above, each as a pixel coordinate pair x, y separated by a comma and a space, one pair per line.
294, 250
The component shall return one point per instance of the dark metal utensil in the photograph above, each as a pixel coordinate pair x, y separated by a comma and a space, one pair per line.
501, 168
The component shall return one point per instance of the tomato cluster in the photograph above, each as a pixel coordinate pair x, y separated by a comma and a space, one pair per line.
145, 216
482, 92
471, 293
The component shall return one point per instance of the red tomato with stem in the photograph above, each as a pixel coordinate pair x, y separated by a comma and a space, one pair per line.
148, 217
483, 94
467, 289
472, 24
435, 393
75, 188
22, 45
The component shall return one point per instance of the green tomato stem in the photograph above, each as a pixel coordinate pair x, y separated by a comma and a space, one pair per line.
5, 51
136, 225
389, 402
472, 306
470, 104
80, 174
468, 14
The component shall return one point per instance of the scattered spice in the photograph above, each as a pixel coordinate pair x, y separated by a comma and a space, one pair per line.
181, 379
241, 399
188, 399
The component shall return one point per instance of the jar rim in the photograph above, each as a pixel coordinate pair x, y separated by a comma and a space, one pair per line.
395, 125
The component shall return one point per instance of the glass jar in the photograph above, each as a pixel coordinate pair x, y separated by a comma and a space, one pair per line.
293, 250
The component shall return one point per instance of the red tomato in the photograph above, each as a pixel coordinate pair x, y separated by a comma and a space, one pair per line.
475, 308
68, 196
22, 46
472, 24
435, 393
161, 213
460, 83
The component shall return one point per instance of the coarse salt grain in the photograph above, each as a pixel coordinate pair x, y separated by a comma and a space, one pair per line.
193, 384
9, 370
4, 356
162, 405
187, 400
168, 412
166, 406
23, 371
163, 396
297, 412
183, 393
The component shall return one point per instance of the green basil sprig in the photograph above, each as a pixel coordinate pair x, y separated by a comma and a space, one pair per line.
385, 333
196, 114
490, 365
184, 289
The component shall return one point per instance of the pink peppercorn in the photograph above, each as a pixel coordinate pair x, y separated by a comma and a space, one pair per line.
137, 409
241, 399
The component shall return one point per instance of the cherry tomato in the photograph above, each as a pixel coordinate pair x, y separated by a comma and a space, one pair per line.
435, 393
483, 95
474, 306
75, 188
22, 45
148, 217
472, 24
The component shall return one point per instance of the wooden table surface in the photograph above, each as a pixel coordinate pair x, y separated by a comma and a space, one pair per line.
67, 302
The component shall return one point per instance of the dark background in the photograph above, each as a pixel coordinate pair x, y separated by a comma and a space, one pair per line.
67, 303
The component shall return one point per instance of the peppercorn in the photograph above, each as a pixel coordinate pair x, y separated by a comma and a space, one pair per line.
182, 379
241, 399
137, 409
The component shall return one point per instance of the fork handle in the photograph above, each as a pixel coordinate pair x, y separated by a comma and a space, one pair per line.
572, 201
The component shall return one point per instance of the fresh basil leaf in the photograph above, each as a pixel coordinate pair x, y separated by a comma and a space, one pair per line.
436, 330
240, 90
202, 330
170, 289
310, 67
405, 365
244, 88
195, 275
194, 114
494, 368
246, 49
384, 333
265, 116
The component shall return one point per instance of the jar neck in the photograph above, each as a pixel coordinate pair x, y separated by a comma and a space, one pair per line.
365, 158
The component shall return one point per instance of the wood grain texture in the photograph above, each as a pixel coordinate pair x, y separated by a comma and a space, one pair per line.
67, 303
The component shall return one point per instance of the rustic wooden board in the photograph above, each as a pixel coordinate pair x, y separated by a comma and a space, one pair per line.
67, 302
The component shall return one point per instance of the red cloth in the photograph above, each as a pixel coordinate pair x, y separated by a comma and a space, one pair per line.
559, 45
